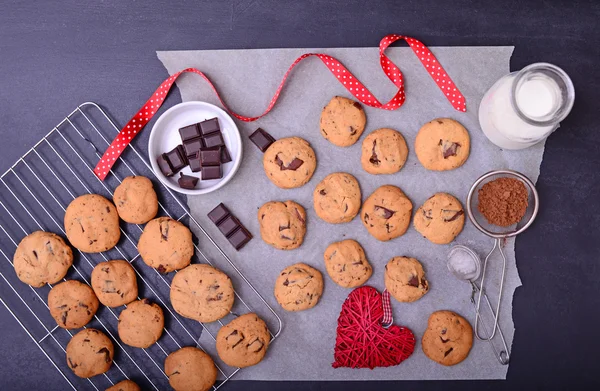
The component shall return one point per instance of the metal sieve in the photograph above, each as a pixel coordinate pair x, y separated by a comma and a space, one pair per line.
498, 233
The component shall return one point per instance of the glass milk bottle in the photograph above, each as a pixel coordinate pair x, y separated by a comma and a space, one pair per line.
524, 107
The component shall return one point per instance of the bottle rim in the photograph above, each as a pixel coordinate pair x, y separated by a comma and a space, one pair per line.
562, 112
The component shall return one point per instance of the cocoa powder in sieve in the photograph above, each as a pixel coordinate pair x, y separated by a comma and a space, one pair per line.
503, 201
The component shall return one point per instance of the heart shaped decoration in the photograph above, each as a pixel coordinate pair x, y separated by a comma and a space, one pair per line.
362, 342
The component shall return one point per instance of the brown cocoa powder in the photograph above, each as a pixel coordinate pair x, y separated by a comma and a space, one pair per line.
503, 201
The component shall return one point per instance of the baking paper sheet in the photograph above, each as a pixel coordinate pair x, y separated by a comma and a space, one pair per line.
247, 79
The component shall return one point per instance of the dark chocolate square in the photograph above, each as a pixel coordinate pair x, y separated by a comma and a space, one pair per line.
177, 158
214, 140
210, 157
164, 165
261, 139
189, 132
225, 156
239, 237
228, 225
211, 172
209, 126
218, 213
194, 162
192, 146
187, 181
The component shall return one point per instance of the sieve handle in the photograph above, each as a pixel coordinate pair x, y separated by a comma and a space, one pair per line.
497, 245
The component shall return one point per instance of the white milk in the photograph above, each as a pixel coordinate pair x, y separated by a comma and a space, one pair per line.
538, 95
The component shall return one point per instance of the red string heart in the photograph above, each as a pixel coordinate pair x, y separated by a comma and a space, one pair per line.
362, 342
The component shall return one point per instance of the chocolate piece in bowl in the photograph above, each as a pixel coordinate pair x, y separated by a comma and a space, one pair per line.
192, 146
189, 132
261, 139
210, 157
164, 165
187, 181
214, 140
177, 158
194, 162
225, 155
211, 172
209, 126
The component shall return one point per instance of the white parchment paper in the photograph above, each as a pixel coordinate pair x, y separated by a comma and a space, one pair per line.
247, 79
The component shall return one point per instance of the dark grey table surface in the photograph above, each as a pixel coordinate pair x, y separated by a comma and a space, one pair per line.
55, 55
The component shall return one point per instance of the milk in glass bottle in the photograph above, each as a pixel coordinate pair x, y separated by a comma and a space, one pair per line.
524, 107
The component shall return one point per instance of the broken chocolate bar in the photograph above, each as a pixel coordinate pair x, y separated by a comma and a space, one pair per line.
194, 162
176, 158
192, 146
230, 226
209, 126
214, 140
261, 139
189, 132
225, 156
211, 172
164, 165
187, 181
210, 157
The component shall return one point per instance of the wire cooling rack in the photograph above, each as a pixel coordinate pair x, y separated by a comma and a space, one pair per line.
34, 193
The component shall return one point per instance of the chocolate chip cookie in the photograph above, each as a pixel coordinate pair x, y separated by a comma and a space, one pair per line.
89, 353
347, 264
41, 258
136, 200
72, 304
448, 338
405, 279
92, 223
202, 292
289, 162
190, 369
342, 121
442, 144
124, 385
141, 324
298, 287
386, 213
384, 151
114, 283
282, 224
440, 219
244, 341
337, 198
166, 245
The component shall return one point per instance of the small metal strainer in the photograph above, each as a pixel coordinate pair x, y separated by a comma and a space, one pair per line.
498, 233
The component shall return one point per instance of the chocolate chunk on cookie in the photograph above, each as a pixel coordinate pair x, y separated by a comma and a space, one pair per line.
289, 162
386, 213
282, 224
92, 223
89, 353
384, 151
72, 304
114, 283
342, 121
41, 258
405, 279
202, 293
244, 341
440, 219
442, 144
347, 264
141, 324
190, 369
124, 385
298, 287
136, 200
448, 338
337, 198
166, 245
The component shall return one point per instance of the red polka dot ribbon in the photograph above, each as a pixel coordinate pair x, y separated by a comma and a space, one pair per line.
347, 79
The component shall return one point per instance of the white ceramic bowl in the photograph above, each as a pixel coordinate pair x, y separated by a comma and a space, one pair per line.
165, 136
